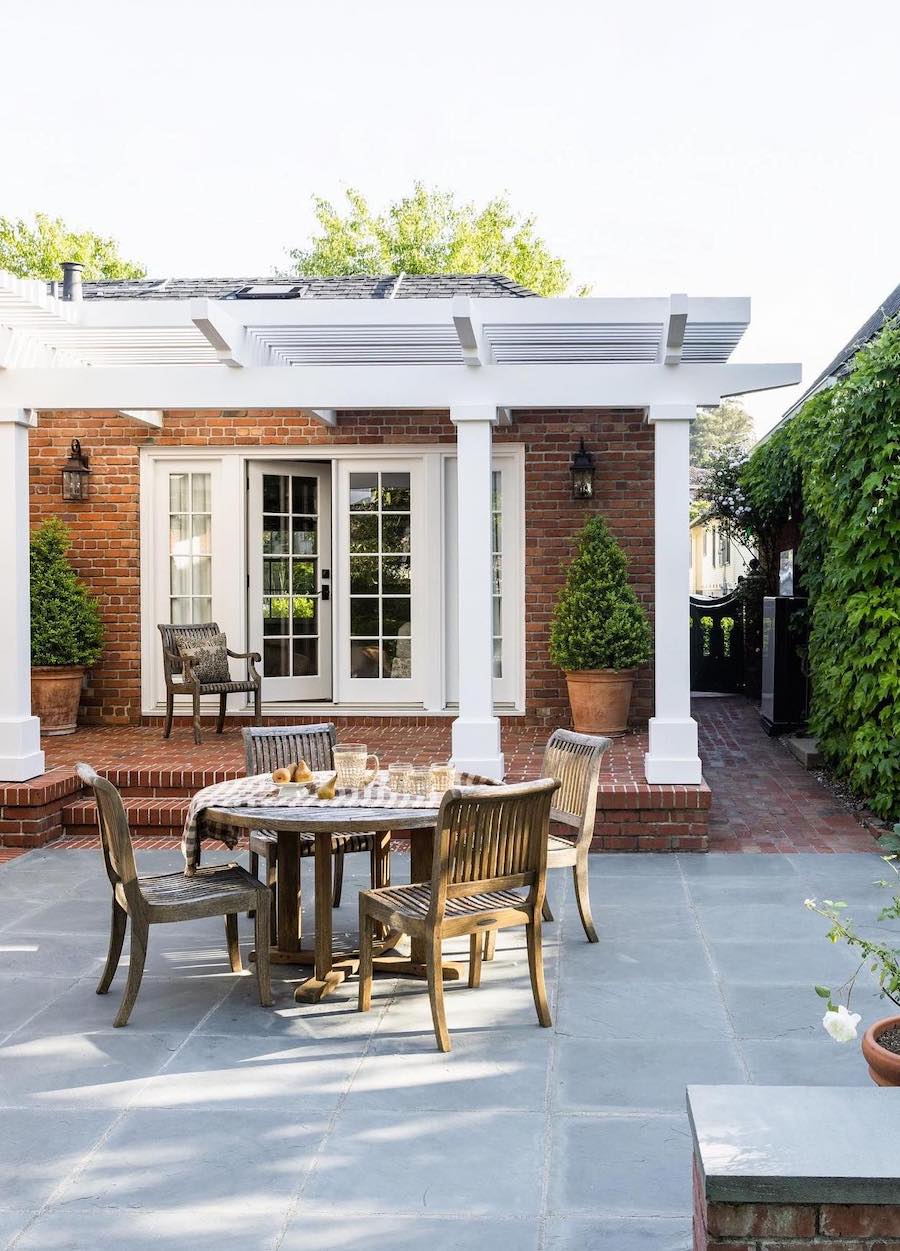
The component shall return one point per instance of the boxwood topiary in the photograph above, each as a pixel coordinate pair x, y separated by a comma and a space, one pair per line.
66, 628
598, 622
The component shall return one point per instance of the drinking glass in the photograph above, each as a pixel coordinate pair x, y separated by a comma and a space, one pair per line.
398, 776
419, 782
443, 777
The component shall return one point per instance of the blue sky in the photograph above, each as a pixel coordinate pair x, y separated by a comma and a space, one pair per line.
715, 148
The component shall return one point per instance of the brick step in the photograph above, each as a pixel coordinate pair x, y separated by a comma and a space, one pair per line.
145, 816
166, 783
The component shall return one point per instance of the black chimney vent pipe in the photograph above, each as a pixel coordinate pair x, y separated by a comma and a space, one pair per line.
72, 280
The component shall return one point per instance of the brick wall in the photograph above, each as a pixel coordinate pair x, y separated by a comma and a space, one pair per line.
105, 529
793, 1226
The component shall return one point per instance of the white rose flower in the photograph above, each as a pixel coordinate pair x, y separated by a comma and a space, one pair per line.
841, 1025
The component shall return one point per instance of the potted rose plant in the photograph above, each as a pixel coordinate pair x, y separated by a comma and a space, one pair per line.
600, 633
881, 954
66, 630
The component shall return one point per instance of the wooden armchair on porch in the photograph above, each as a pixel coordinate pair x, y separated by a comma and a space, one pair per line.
195, 663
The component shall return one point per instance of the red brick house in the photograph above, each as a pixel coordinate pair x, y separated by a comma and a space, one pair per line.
365, 480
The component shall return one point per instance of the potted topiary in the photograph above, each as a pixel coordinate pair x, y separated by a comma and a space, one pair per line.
66, 630
600, 633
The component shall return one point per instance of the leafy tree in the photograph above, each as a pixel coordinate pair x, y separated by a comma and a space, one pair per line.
65, 621
37, 250
598, 622
429, 232
715, 431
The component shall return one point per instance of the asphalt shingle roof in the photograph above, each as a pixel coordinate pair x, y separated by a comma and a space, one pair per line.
887, 309
350, 287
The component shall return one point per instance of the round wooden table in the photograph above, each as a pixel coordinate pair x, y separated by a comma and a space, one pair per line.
330, 967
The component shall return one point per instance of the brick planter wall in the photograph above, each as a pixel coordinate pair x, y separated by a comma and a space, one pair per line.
793, 1226
106, 541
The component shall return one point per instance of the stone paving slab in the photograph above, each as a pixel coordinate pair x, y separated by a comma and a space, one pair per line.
210, 1122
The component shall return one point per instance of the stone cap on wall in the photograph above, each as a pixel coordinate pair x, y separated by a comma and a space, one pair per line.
796, 1144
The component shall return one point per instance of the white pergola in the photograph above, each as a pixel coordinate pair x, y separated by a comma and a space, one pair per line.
479, 358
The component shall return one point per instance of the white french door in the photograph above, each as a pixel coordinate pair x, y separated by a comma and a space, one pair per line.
289, 562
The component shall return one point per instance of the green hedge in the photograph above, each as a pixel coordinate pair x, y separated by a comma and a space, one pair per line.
65, 621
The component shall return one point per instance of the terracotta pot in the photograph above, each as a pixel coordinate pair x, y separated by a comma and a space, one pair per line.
600, 700
55, 695
884, 1065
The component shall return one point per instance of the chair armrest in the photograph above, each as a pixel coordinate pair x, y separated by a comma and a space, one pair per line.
251, 659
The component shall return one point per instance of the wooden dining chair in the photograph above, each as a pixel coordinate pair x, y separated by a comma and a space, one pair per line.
490, 872
219, 890
574, 760
267, 748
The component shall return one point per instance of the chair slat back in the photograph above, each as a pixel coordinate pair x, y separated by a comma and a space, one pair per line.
115, 836
574, 760
491, 838
197, 633
272, 747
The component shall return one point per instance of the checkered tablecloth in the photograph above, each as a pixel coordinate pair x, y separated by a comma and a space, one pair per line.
259, 791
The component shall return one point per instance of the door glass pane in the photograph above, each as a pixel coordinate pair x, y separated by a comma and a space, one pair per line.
306, 657
364, 575
363, 534
395, 616
305, 614
276, 658
363, 492
363, 616
303, 495
364, 658
290, 579
380, 575
275, 493
190, 545
276, 576
395, 533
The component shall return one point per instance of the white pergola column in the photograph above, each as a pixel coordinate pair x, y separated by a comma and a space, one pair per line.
476, 731
672, 757
20, 735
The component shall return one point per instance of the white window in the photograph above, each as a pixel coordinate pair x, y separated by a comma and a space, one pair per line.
190, 547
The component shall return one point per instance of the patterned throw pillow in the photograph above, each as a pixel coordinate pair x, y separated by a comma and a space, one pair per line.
209, 660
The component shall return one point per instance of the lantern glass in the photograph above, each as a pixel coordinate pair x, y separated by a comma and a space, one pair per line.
75, 474
582, 470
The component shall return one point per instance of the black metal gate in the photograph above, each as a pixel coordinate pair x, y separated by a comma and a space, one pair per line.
717, 644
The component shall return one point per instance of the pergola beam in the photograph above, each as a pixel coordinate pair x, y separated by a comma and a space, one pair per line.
228, 338
148, 416
468, 331
675, 327
325, 387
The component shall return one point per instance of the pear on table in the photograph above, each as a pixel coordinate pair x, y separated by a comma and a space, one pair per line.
327, 789
302, 772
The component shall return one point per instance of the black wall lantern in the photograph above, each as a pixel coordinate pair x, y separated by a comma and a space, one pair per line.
582, 470
75, 474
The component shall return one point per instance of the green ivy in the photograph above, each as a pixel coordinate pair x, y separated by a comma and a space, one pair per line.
598, 622
65, 621
836, 467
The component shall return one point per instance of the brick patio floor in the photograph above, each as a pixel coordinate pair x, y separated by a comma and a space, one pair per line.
763, 800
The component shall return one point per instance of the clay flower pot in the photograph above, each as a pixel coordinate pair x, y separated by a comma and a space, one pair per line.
55, 695
884, 1065
600, 700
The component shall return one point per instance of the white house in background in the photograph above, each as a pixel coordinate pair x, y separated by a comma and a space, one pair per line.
460, 396
717, 558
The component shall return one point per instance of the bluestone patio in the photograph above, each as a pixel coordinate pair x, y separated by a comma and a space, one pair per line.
212, 1123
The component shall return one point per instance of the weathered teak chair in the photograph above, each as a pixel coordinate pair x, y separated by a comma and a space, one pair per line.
490, 845
181, 679
574, 760
268, 748
220, 890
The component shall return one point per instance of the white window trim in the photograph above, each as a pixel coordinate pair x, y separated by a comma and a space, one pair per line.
229, 605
